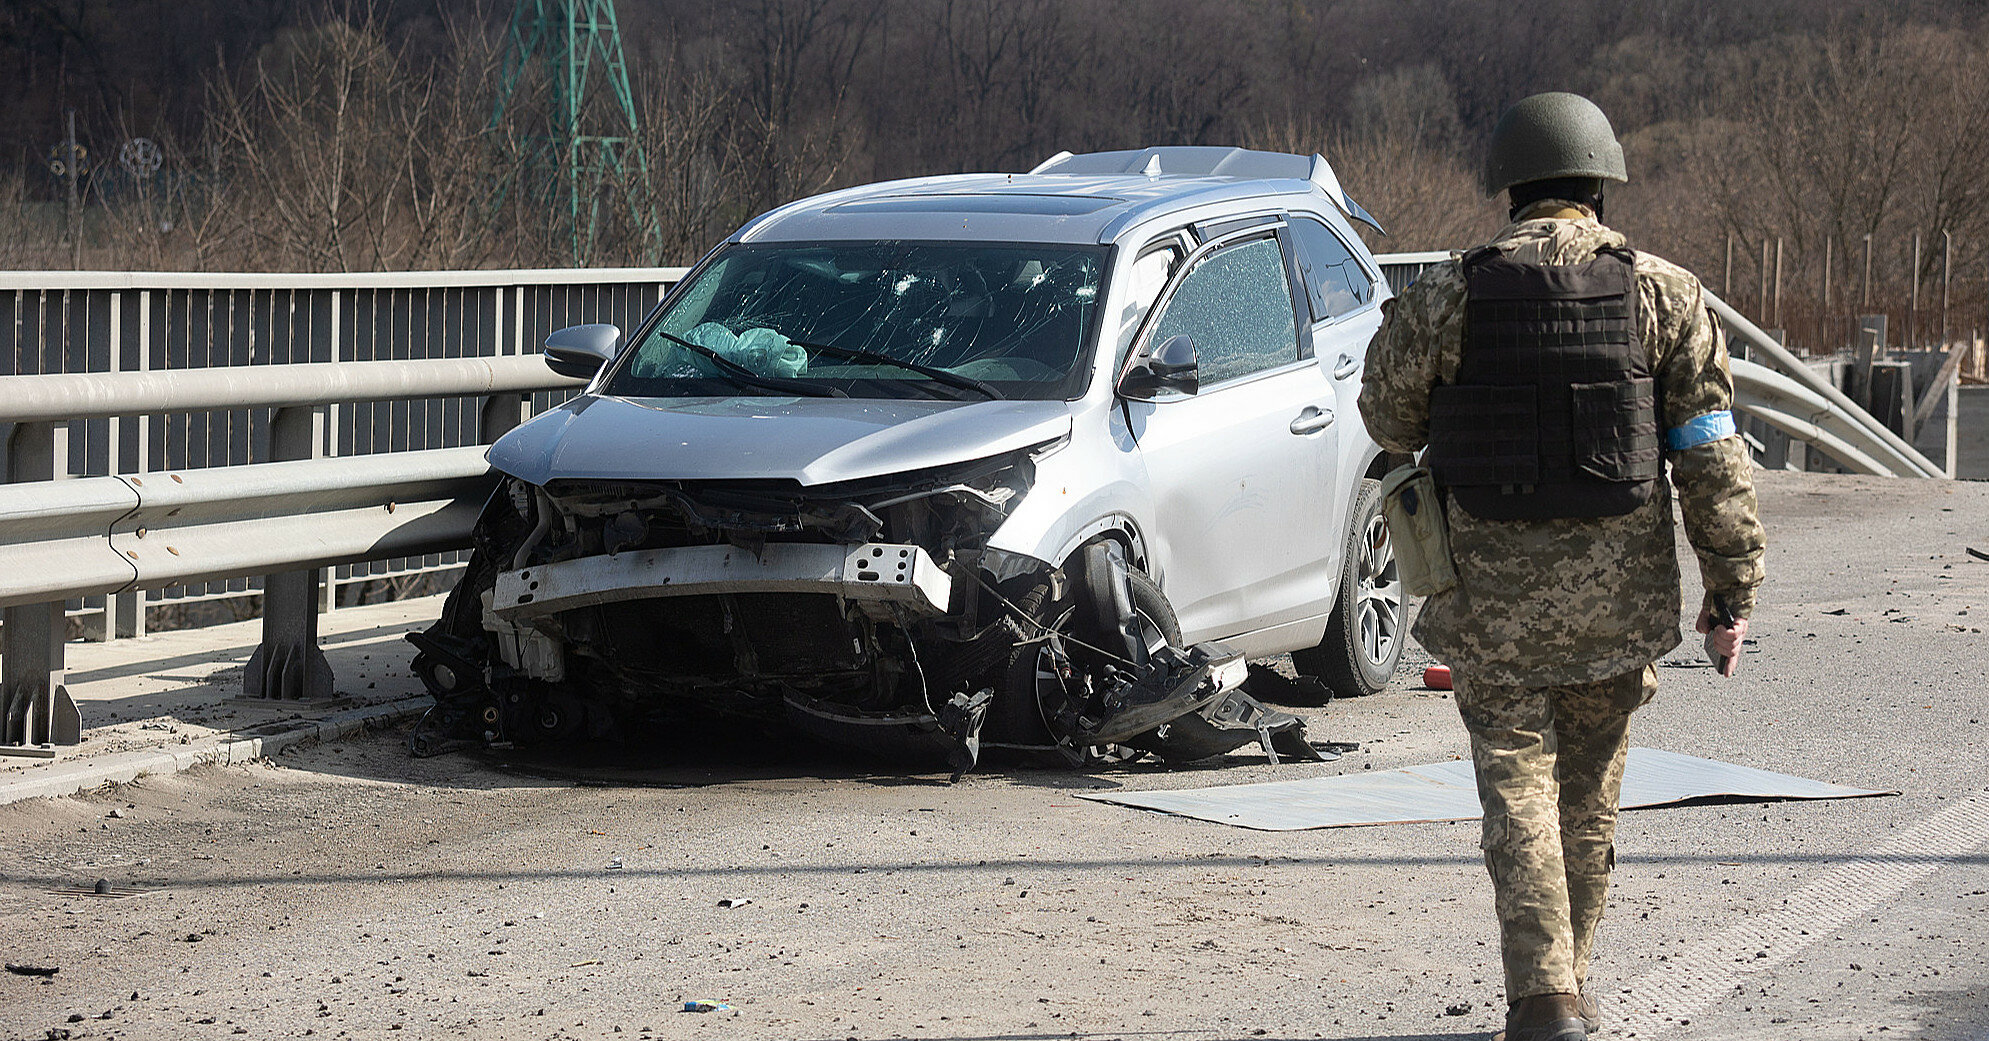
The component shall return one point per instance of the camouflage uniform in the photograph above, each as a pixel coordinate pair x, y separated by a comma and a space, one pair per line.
1553, 624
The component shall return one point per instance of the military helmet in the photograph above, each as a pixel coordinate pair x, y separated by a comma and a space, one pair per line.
1552, 135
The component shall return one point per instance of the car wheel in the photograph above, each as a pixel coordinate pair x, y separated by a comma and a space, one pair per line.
1038, 678
1363, 641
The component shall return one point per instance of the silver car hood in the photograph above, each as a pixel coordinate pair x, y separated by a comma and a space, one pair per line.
809, 440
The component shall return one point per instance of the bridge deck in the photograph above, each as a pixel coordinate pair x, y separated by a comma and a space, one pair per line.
160, 702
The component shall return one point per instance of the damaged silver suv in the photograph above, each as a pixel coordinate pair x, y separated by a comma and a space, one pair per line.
1033, 461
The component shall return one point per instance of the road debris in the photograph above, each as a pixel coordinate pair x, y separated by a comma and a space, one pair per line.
706, 1006
735, 901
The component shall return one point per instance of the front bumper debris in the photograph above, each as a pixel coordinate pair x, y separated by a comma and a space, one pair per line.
1189, 705
872, 575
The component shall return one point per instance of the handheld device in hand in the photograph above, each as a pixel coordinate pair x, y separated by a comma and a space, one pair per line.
1722, 619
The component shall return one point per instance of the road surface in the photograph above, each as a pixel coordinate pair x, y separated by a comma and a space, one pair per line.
347, 891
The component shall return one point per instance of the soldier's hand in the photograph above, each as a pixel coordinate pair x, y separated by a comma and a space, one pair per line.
1722, 642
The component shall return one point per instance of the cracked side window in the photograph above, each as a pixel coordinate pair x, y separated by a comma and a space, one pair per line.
1237, 308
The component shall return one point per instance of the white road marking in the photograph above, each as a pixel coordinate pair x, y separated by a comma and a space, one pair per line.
1708, 971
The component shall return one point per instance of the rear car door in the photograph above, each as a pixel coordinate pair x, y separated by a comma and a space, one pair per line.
1241, 470
1343, 294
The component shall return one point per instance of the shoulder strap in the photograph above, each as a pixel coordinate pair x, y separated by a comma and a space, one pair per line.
1474, 257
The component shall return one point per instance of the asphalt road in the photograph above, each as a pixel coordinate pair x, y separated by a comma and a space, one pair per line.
350, 892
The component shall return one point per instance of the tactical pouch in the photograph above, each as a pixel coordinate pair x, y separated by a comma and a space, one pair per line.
1609, 447
1416, 524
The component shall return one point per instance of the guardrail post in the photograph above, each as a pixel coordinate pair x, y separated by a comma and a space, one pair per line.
288, 665
36, 711
127, 614
499, 414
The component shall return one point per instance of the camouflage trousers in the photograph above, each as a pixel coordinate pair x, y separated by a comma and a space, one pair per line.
1549, 762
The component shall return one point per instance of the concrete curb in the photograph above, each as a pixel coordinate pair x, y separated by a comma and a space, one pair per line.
62, 779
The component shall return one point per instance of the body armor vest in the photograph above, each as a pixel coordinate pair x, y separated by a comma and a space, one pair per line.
1554, 411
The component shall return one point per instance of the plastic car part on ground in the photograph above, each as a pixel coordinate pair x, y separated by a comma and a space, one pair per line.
1186, 706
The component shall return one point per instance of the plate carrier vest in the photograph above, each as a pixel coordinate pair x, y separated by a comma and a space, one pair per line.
1554, 411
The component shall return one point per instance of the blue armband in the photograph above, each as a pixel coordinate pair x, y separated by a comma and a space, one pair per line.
1700, 430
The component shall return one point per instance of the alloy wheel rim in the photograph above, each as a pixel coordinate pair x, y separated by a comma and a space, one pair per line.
1378, 598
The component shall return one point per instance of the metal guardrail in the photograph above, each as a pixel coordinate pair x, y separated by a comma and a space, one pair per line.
1788, 396
186, 387
297, 512
1822, 415
286, 520
99, 322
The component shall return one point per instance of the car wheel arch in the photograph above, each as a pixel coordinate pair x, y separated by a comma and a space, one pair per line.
1117, 527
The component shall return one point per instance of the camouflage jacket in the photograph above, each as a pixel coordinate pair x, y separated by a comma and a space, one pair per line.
1570, 601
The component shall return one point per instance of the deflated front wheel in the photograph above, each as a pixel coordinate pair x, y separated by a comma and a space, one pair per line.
1045, 676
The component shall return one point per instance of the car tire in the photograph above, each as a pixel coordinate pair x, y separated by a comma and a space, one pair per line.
1017, 716
1363, 641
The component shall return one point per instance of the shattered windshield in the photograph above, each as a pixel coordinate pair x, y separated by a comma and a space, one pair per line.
874, 319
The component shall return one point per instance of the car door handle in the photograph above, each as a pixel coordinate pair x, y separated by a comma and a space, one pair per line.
1312, 420
1345, 367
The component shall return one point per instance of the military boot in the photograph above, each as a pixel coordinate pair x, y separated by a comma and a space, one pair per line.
1586, 1006
1590, 1010
1546, 1017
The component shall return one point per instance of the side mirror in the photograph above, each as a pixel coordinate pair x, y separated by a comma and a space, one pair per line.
580, 350
1171, 367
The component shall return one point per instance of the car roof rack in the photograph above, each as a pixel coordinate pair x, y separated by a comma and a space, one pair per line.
1212, 161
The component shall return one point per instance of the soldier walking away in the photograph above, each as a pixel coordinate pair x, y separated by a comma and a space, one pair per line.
1552, 373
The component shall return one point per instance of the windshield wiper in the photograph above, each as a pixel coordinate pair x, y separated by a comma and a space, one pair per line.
744, 375
931, 372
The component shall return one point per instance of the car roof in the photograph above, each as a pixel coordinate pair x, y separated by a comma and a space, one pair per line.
1081, 199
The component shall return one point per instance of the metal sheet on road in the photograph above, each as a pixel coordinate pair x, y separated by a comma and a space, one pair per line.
1447, 792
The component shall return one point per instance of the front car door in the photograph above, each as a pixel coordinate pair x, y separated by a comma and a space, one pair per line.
1240, 471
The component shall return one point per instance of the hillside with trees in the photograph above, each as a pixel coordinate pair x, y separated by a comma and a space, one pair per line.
1763, 137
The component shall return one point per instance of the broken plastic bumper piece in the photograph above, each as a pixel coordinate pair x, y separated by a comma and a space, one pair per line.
886, 575
1190, 705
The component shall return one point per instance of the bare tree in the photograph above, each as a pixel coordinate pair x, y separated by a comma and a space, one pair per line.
793, 131
341, 157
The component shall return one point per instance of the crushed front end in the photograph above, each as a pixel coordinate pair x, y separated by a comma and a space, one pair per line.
870, 613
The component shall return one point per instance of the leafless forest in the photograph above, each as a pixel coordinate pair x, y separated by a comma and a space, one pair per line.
1763, 137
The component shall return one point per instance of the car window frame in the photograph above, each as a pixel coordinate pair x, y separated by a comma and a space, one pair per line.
1273, 229
1182, 243
1301, 298
1304, 285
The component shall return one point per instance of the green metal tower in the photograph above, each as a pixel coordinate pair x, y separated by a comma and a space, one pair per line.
591, 138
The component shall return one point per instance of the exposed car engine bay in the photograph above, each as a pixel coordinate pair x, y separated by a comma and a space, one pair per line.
871, 614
